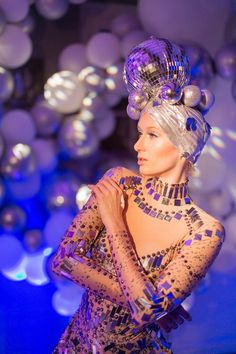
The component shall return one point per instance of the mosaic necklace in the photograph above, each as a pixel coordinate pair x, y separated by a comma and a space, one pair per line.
164, 193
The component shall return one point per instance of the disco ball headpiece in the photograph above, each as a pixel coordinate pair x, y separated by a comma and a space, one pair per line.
157, 73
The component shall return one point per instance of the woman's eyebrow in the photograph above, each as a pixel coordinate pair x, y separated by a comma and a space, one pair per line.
150, 127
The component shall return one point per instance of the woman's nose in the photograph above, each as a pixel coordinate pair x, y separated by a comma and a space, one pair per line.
139, 144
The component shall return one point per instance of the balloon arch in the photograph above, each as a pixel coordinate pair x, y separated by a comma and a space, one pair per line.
71, 118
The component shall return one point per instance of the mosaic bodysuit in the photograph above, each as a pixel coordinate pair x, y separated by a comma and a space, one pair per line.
135, 276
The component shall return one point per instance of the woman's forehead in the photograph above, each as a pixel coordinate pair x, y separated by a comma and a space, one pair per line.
147, 122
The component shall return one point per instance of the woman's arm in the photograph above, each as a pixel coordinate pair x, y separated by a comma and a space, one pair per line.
72, 259
149, 301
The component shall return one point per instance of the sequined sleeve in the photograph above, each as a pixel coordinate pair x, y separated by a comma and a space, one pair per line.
150, 300
72, 258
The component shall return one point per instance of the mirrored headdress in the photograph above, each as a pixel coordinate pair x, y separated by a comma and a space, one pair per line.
157, 73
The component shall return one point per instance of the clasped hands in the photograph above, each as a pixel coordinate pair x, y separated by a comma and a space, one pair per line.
111, 198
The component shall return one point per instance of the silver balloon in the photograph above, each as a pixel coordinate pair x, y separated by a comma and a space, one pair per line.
226, 61
77, 138
114, 80
1, 146
234, 89
18, 161
33, 239
61, 193
191, 95
46, 119
27, 24
2, 21
2, 192
12, 218
6, 84
52, 9
92, 79
94, 104
201, 63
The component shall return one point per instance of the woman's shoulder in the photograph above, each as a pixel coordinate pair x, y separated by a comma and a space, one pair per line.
210, 224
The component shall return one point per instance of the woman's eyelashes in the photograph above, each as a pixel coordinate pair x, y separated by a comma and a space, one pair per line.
152, 135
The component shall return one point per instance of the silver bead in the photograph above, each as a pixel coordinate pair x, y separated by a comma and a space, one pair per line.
138, 99
191, 95
207, 100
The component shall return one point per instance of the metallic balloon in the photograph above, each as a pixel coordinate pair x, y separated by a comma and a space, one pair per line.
64, 92
12, 218
77, 138
33, 239
2, 192
6, 84
226, 61
191, 95
61, 192
18, 162
46, 119
1, 146
201, 63
92, 79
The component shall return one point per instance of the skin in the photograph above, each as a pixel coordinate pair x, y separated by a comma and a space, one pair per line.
154, 146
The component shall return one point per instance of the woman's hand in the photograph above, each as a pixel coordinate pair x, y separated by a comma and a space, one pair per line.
174, 318
110, 199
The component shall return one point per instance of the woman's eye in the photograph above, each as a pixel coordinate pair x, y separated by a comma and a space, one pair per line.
139, 134
152, 135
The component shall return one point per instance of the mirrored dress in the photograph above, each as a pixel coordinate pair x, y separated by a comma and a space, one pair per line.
127, 293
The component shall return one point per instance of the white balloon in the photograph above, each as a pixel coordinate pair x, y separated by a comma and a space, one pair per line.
220, 203
56, 226
52, 9
16, 273
26, 188
73, 58
230, 227
15, 47
15, 10
168, 19
124, 24
45, 153
106, 125
66, 305
226, 260
18, 126
64, 92
222, 116
11, 251
131, 39
103, 49
211, 174
36, 270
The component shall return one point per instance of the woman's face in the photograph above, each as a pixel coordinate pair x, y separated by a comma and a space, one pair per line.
157, 156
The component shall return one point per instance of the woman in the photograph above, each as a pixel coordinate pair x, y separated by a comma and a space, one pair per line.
140, 245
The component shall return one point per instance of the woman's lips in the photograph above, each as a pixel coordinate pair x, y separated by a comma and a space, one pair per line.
141, 161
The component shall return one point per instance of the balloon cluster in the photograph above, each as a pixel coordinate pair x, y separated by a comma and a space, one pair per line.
38, 197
